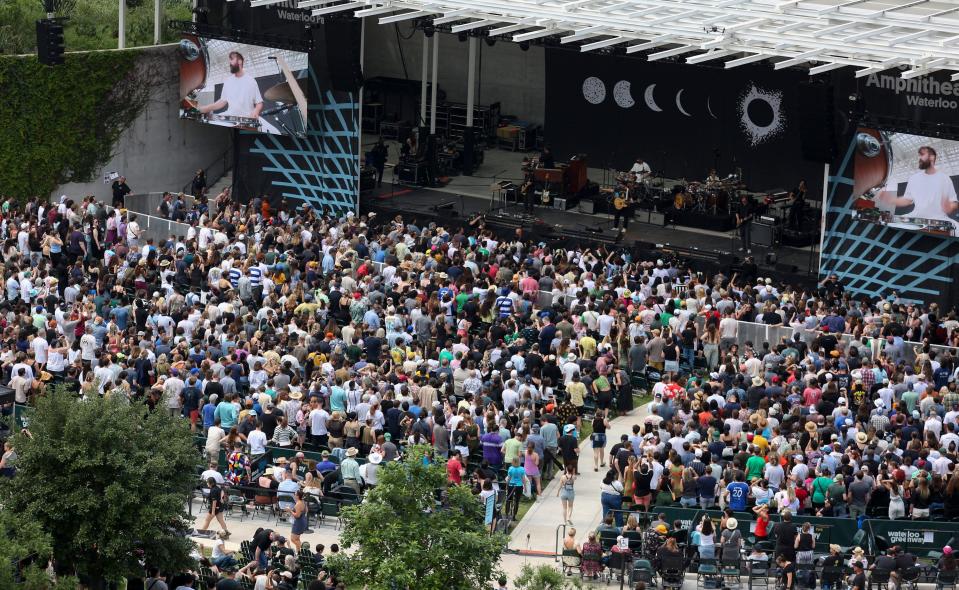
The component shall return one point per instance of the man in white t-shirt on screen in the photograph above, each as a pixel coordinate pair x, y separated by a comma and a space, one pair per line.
240, 95
929, 191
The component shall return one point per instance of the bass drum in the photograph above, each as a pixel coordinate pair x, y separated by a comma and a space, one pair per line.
873, 162
194, 63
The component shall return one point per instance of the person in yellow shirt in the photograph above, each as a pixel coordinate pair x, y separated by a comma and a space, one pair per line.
587, 347
577, 392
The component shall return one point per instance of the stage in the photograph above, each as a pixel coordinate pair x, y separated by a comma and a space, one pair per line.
555, 224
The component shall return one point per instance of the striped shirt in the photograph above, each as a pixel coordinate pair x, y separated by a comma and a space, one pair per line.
284, 437
505, 305
234, 277
256, 276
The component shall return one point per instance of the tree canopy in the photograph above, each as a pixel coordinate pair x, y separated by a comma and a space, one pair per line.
106, 482
92, 24
401, 536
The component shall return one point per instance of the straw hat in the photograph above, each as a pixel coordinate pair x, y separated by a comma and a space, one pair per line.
376, 458
861, 438
732, 524
296, 395
351, 452
810, 427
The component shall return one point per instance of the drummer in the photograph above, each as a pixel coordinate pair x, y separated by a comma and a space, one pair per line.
641, 169
712, 180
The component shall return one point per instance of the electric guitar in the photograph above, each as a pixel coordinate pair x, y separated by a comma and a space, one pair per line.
544, 199
745, 220
622, 200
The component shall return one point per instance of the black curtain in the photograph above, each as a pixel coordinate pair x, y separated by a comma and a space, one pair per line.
682, 119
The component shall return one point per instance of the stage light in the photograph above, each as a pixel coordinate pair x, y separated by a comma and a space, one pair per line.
429, 29
463, 36
524, 45
490, 41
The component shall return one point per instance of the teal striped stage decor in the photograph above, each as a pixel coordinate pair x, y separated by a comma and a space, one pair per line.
321, 169
876, 260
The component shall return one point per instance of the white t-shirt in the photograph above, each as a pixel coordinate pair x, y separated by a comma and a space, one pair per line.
40, 347
241, 94
638, 168
926, 191
257, 440
88, 347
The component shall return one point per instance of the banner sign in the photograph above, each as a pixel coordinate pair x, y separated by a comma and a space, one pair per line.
926, 99
681, 119
918, 537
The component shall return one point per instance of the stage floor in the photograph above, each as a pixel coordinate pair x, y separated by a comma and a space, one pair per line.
416, 200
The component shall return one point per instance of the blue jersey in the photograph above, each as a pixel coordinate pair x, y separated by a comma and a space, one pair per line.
738, 491
504, 305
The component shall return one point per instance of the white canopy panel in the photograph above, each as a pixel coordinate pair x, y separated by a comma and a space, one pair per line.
916, 36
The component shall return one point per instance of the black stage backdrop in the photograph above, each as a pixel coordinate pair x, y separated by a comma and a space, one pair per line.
682, 119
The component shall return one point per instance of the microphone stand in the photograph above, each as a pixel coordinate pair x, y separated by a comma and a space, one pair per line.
492, 193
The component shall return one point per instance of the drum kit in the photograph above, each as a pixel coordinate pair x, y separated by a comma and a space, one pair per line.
708, 197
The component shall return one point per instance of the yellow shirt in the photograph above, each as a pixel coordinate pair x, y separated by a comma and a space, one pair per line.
576, 390
587, 346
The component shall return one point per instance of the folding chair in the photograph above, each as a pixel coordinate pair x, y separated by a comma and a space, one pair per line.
731, 570
643, 572
672, 572
758, 574
879, 580
946, 580
708, 576
570, 561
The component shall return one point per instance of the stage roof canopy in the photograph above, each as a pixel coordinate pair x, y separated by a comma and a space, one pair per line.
916, 36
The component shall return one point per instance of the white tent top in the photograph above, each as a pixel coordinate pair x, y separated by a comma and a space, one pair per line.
917, 36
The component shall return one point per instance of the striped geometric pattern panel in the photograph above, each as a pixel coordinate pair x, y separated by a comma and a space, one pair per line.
876, 260
323, 167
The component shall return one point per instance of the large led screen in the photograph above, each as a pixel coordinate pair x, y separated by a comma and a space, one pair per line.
243, 86
907, 181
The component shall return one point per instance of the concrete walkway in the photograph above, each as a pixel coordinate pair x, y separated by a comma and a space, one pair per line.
538, 529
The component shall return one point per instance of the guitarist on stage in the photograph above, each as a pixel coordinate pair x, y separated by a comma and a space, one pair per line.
744, 220
528, 193
623, 205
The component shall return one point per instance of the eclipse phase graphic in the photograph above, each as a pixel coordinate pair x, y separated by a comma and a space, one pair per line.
756, 133
622, 94
650, 100
679, 103
709, 109
594, 91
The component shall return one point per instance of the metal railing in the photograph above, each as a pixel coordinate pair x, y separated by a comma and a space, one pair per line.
757, 334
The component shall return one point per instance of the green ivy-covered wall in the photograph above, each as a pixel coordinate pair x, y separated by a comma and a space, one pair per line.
61, 123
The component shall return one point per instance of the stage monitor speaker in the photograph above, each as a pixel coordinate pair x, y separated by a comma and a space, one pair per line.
341, 47
727, 260
787, 268
764, 234
656, 218
798, 239
817, 130
586, 206
642, 216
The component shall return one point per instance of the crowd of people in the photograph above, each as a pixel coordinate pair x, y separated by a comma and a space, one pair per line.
274, 324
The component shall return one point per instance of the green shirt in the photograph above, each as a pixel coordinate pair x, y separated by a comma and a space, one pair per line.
755, 466
820, 486
511, 449
350, 469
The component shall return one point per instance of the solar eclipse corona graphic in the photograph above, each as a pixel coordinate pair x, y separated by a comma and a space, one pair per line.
757, 133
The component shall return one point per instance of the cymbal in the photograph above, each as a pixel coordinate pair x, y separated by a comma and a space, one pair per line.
280, 93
